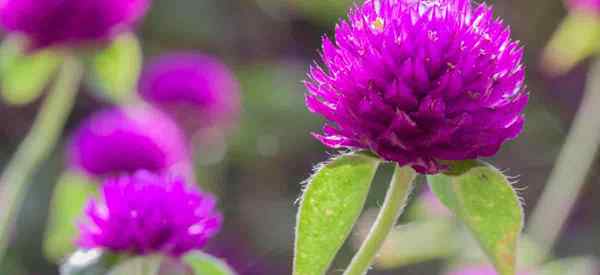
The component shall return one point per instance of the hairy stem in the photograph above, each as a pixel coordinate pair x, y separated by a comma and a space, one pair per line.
35, 148
571, 169
400, 188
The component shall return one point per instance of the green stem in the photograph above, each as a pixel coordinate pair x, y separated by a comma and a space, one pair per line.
395, 200
572, 167
35, 148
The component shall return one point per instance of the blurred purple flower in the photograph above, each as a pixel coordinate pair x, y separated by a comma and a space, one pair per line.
72, 22
146, 213
585, 5
479, 270
117, 141
197, 89
417, 82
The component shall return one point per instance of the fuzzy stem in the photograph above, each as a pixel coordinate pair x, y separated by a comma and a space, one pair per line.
35, 148
400, 188
572, 167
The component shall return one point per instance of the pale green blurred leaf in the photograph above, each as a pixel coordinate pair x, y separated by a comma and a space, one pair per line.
483, 198
116, 68
70, 196
146, 265
331, 204
570, 266
204, 264
88, 262
577, 38
25, 75
417, 242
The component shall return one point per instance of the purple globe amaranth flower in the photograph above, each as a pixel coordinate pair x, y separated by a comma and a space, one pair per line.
197, 89
71, 22
146, 213
479, 270
592, 6
418, 82
116, 141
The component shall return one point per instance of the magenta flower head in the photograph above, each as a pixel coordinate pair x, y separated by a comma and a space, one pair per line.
478, 270
592, 6
198, 90
117, 141
419, 82
72, 22
146, 213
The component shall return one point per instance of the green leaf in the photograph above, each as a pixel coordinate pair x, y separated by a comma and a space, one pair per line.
570, 266
88, 262
116, 69
334, 198
417, 242
577, 38
69, 199
25, 75
147, 265
204, 264
483, 198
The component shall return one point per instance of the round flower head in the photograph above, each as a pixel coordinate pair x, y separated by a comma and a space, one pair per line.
117, 141
198, 90
480, 270
146, 213
585, 5
418, 82
73, 22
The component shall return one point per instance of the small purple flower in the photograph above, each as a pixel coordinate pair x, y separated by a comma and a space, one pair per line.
478, 270
72, 22
197, 89
117, 141
418, 82
585, 5
146, 213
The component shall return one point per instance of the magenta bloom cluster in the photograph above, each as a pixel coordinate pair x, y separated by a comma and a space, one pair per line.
418, 82
52, 22
197, 89
146, 213
585, 5
125, 140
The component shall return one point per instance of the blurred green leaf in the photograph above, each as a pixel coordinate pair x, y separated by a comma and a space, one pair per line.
25, 75
146, 265
116, 69
483, 198
577, 38
88, 262
204, 264
570, 266
334, 198
417, 242
324, 12
70, 196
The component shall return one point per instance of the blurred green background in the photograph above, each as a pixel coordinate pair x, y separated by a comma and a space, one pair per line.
270, 44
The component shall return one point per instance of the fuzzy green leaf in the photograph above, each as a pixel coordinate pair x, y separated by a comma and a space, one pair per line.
204, 264
25, 75
484, 199
70, 195
331, 204
116, 69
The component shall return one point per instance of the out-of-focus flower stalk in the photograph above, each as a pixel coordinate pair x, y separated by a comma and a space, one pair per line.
393, 206
572, 167
35, 148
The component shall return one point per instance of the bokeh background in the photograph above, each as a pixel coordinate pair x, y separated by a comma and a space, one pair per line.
270, 44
